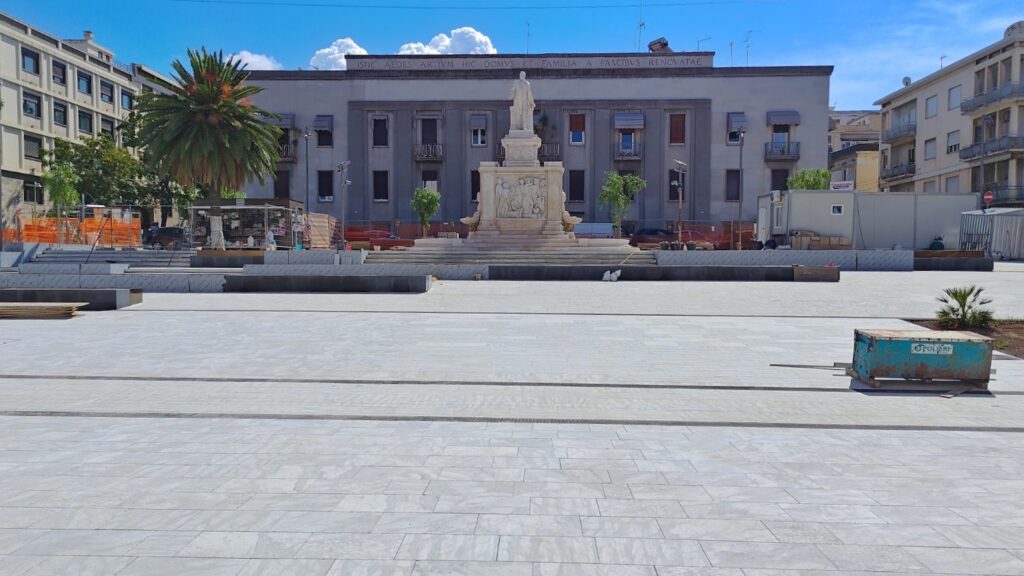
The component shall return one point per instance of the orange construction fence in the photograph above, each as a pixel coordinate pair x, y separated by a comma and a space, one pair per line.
123, 231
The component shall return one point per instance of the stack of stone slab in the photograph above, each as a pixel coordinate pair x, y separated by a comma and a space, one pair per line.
323, 271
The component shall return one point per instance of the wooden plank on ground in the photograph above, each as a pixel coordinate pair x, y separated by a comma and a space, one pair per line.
39, 310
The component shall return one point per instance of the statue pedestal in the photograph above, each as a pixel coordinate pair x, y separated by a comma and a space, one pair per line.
521, 148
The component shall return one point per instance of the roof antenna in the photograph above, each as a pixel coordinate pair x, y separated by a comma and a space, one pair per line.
747, 42
942, 59
640, 25
527, 37
730, 52
702, 40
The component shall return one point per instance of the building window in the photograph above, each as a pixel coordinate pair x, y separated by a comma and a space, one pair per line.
84, 83
577, 185
324, 127
912, 156
31, 105
106, 92
929, 149
780, 178
107, 128
577, 129
282, 184
33, 148
60, 114
674, 185
780, 138
930, 186
428, 131
474, 185
931, 106
380, 186
30, 61
732, 185
325, 185
837, 209
380, 132
59, 72
85, 122
677, 129
127, 99
627, 140
954, 97
32, 192
736, 124
478, 130
952, 141
953, 185
429, 179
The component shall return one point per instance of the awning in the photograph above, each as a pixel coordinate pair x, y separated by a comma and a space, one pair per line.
737, 121
478, 121
286, 121
629, 120
325, 123
783, 117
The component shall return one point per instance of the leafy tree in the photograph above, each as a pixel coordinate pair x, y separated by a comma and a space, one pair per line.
425, 203
207, 132
617, 194
962, 309
107, 173
812, 179
60, 181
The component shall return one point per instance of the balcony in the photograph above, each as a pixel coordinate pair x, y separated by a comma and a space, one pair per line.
634, 152
1007, 194
286, 153
898, 171
429, 152
1004, 92
785, 151
899, 133
1004, 144
547, 151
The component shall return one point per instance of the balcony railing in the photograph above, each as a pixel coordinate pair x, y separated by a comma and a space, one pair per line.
286, 153
1004, 92
899, 171
429, 152
899, 132
782, 151
633, 153
1004, 144
1007, 194
547, 151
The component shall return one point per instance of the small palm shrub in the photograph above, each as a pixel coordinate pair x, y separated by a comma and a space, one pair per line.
962, 309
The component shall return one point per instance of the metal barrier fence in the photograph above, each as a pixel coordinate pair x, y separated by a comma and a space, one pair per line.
106, 226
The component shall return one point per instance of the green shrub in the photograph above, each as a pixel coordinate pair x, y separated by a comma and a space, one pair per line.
962, 309
425, 203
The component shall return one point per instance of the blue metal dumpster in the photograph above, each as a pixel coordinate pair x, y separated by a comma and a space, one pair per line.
921, 355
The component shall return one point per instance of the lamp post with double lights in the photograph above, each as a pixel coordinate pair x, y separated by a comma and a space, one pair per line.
680, 165
343, 170
743, 137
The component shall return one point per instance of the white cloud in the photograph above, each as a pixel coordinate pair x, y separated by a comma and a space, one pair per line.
255, 61
333, 57
463, 40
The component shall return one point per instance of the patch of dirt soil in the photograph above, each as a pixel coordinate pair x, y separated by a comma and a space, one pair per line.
1008, 334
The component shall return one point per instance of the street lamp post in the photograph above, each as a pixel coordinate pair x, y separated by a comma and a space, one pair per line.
679, 196
989, 120
343, 170
305, 135
743, 137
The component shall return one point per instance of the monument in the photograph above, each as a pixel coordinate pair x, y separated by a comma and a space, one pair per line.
521, 199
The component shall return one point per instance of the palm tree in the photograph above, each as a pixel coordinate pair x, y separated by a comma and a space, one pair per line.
206, 132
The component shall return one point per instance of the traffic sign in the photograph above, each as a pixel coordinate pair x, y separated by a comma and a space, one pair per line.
987, 197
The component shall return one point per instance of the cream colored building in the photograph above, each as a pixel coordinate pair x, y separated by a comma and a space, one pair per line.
937, 132
857, 164
852, 127
55, 89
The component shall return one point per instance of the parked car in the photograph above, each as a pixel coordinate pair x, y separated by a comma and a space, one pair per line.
171, 238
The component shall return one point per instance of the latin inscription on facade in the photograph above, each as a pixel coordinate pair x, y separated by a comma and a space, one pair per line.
637, 62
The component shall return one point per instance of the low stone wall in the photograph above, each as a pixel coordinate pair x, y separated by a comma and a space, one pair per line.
645, 273
314, 257
378, 283
71, 268
96, 298
440, 271
162, 282
849, 260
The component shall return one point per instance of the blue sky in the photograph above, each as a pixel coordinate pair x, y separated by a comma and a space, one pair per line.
872, 43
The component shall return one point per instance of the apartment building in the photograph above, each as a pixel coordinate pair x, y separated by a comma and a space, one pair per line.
852, 127
853, 147
55, 89
961, 128
411, 121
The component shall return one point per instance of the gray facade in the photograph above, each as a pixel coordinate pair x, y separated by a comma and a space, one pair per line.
616, 95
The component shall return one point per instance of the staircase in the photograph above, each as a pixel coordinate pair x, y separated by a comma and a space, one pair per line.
136, 258
566, 257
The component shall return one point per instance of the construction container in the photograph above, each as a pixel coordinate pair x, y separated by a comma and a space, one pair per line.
921, 355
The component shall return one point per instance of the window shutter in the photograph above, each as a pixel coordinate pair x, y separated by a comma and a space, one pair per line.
677, 129
33, 147
577, 122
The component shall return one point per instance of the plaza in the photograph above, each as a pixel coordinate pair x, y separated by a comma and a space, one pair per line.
504, 428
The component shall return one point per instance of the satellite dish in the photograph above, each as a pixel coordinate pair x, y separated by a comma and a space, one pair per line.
906, 80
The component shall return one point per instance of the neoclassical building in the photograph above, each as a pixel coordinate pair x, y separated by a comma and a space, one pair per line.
409, 121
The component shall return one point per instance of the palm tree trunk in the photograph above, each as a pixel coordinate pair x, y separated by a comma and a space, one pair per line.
216, 222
